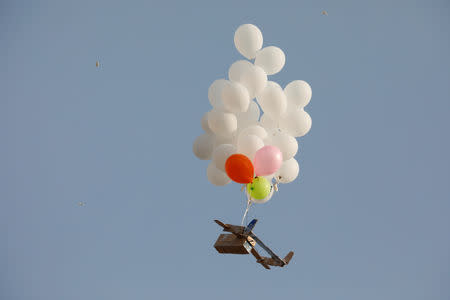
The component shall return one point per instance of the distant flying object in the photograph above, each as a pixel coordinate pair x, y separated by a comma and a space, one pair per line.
242, 241
81, 204
97, 64
324, 12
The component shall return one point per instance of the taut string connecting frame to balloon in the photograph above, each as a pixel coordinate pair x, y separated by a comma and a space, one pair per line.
249, 204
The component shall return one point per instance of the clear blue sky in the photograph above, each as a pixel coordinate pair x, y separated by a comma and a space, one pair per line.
368, 218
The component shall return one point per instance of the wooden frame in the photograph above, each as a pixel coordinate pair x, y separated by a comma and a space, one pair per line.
242, 241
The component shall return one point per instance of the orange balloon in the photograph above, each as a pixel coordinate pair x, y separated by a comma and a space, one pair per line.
239, 168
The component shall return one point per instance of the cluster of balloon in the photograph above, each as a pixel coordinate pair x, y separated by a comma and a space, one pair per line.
254, 142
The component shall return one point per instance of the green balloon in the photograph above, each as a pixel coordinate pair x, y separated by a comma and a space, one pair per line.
259, 188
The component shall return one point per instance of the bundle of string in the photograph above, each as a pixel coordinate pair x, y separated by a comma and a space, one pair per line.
249, 204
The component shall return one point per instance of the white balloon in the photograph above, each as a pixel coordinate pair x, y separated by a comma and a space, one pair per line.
221, 154
215, 93
248, 145
255, 130
271, 133
216, 176
222, 123
223, 139
254, 79
272, 100
298, 92
246, 119
296, 123
249, 117
234, 139
248, 39
271, 59
237, 69
235, 97
245, 124
260, 201
242, 125
288, 171
205, 125
287, 144
203, 146
267, 122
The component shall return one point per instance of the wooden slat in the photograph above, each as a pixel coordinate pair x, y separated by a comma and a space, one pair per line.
288, 257
272, 254
236, 230
272, 262
259, 259
220, 223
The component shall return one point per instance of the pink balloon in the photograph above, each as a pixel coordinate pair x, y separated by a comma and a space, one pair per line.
267, 160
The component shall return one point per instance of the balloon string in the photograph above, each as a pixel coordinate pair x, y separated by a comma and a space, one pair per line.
249, 203
276, 183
